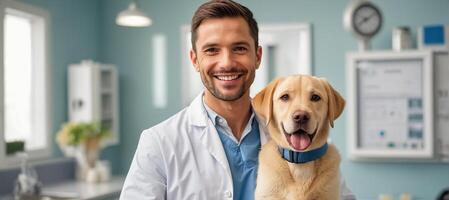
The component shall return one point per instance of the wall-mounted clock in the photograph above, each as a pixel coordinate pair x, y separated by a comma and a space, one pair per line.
364, 20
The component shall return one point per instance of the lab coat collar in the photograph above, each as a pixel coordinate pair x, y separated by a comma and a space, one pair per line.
209, 136
197, 114
198, 117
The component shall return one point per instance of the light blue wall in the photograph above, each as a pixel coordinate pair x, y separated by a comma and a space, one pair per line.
85, 29
130, 49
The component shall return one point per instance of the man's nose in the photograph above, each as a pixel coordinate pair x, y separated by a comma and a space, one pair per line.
226, 59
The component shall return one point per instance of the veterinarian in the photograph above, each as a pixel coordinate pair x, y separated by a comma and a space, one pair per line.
208, 150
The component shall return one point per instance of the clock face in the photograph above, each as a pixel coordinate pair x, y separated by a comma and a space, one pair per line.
366, 20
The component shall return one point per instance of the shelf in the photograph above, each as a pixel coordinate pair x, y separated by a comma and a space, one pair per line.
96, 86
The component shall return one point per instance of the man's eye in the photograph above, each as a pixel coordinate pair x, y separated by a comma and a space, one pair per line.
211, 50
284, 97
315, 98
240, 49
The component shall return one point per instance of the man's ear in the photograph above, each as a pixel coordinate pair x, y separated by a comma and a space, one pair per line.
258, 56
336, 103
263, 101
194, 59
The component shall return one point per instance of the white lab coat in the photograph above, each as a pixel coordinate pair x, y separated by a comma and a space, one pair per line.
183, 158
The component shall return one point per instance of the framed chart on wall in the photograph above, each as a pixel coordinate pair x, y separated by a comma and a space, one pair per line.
390, 104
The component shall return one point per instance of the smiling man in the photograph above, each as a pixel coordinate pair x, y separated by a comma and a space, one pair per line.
226, 56
210, 149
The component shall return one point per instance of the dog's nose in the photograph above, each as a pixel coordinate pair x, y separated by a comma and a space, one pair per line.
301, 117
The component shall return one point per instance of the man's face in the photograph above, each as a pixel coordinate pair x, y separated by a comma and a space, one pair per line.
226, 57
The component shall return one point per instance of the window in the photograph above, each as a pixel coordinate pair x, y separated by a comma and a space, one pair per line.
24, 81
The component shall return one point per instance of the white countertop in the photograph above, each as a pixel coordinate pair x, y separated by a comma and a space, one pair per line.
86, 191
82, 190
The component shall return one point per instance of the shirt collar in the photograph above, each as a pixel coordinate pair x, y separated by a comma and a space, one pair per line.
220, 122
216, 118
213, 116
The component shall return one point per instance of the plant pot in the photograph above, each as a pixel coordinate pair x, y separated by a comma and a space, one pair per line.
92, 151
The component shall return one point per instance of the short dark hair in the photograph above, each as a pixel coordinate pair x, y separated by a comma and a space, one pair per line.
223, 8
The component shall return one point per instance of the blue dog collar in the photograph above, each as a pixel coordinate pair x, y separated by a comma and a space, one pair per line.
302, 157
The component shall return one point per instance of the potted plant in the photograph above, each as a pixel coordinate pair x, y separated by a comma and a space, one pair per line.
83, 141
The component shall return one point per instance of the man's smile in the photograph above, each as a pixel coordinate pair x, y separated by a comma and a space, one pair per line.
228, 77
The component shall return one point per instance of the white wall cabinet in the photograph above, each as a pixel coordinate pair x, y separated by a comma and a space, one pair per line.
93, 95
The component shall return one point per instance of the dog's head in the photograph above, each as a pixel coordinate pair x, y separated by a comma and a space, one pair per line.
298, 111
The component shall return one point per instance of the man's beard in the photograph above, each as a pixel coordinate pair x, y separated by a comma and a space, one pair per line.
208, 83
217, 94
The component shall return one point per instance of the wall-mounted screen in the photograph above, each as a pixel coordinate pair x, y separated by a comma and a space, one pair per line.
390, 104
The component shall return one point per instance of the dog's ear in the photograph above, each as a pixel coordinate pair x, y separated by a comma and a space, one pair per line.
263, 101
336, 103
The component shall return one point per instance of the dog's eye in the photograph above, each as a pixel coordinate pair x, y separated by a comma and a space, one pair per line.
315, 98
285, 97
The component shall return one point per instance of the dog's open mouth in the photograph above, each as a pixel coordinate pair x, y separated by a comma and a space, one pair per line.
299, 140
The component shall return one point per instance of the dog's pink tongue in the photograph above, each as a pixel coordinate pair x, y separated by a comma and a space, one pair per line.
300, 141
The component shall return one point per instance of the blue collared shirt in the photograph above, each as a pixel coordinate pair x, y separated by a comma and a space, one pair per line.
242, 155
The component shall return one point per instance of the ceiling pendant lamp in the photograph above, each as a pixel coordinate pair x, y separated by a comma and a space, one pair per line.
133, 17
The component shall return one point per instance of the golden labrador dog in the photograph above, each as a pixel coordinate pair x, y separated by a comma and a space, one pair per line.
298, 163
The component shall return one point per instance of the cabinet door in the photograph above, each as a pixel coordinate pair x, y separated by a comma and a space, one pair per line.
82, 96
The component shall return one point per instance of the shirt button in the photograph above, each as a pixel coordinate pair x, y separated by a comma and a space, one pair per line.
228, 194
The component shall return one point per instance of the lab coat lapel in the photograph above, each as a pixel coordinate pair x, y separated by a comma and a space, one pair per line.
212, 143
201, 124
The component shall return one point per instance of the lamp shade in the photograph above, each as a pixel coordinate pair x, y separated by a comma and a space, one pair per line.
133, 17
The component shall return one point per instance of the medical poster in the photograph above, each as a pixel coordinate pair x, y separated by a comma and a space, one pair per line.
390, 99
